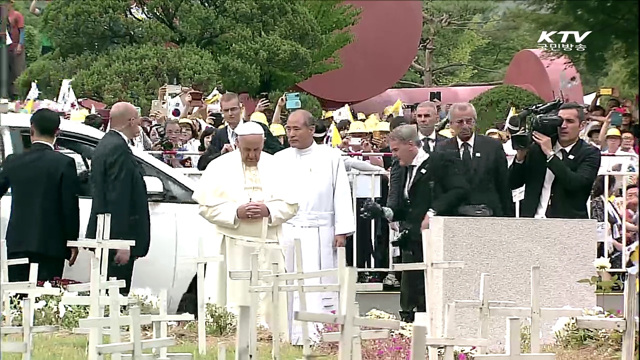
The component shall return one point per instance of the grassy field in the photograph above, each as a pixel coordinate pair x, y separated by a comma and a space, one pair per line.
72, 347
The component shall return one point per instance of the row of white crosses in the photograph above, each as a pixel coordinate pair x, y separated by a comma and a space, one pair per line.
433, 315
97, 300
30, 291
628, 324
255, 276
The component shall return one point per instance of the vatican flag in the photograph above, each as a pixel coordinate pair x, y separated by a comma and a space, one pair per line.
333, 136
343, 113
396, 109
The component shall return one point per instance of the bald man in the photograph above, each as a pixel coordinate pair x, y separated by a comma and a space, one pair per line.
325, 217
248, 206
119, 190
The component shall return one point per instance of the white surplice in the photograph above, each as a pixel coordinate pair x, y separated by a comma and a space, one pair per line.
225, 185
325, 210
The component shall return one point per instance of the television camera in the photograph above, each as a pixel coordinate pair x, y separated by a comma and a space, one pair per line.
545, 121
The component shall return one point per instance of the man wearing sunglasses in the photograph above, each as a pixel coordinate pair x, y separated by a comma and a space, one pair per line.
224, 140
484, 163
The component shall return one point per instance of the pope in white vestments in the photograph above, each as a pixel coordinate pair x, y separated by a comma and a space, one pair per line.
236, 192
325, 215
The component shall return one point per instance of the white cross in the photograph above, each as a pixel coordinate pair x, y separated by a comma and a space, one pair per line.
347, 318
535, 312
512, 346
449, 340
627, 324
201, 262
245, 326
429, 266
4, 279
136, 345
99, 267
160, 324
27, 329
358, 336
275, 288
254, 275
482, 304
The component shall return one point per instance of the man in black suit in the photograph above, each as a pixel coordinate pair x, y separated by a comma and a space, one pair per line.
427, 117
224, 140
484, 163
558, 173
119, 190
44, 202
434, 185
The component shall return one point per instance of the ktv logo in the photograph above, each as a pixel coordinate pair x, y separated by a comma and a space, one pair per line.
545, 41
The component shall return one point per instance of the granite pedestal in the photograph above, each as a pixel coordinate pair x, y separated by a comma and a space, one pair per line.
506, 248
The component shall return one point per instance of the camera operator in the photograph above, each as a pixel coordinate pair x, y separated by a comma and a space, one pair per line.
434, 185
558, 173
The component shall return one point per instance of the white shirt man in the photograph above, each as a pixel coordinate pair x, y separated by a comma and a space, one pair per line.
243, 195
325, 214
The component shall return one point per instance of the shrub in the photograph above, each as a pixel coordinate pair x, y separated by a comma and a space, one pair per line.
493, 105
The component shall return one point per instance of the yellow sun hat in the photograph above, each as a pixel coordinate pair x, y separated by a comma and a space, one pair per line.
357, 127
260, 117
277, 130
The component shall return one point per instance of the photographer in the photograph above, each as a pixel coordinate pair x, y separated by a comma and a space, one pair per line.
558, 173
170, 142
434, 185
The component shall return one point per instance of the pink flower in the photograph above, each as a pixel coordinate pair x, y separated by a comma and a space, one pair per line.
462, 356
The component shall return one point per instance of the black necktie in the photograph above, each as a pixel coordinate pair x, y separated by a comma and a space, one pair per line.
565, 154
466, 155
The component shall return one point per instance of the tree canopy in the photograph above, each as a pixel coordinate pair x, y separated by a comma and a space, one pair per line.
494, 104
252, 46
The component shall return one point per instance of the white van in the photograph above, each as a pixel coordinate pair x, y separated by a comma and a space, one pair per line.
176, 226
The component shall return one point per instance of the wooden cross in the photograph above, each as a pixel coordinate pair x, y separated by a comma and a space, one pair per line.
275, 288
482, 304
4, 278
449, 339
160, 325
626, 324
254, 275
429, 265
512, 346
136, 345
347, 318
27, 329
99, 267
201, 262
245, 325
358, 336
535, 312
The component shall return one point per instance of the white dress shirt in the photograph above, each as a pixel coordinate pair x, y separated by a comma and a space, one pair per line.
231, 134
548, 182
43, 142
470, 142
431, 140
126, 139
417, 161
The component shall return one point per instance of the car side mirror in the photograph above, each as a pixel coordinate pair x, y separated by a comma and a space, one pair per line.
154, 185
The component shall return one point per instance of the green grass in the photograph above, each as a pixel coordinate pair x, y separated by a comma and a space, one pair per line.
73, 347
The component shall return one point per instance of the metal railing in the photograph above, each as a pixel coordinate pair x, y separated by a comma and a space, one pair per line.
373, 189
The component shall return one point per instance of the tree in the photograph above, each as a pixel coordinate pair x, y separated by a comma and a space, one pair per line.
129, 73
258, 46
449, 37
494, 104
